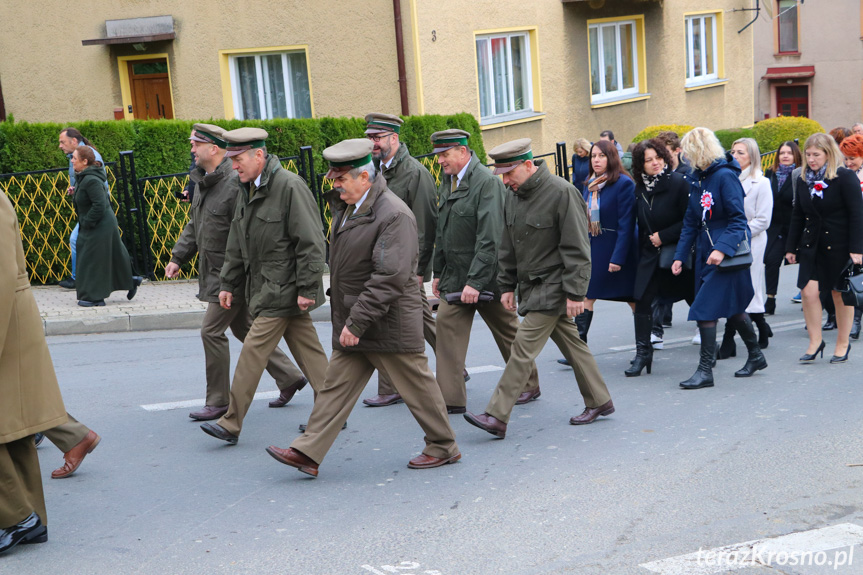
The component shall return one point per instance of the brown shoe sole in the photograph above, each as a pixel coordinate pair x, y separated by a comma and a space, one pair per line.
470, 419
440, 463
529, 399
383, 403
606, 412
303, 468
80, 461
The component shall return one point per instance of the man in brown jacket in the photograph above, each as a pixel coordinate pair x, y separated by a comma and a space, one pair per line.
30, 399
206, 234
376, 314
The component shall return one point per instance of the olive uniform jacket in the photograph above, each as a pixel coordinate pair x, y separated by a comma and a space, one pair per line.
408, 179
30, 399
469, 227
206, 233
545, 250
276, 246
373, 281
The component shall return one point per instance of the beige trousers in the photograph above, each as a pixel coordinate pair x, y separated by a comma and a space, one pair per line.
67, 435
20, 483
385, 386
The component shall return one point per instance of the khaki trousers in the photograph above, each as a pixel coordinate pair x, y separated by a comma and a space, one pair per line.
347, 375
385, 386
533, 333
263, 337
453, 329
20, 483
217, 352
67, 435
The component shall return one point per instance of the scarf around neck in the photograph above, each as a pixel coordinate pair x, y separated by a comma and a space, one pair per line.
594, 186
651, 181
782, 173
812, 177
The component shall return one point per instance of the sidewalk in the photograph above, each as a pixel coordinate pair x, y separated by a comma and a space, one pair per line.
157, 305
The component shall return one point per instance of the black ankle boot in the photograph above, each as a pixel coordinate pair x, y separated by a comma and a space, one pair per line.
770, 305
703, 376
830, 323
755, 360
582, 322
643, 347
764, 331
728, 347
855, 327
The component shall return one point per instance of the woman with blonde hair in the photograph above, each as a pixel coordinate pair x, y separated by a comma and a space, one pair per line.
716, 222
580, 163
758, 205
826, 229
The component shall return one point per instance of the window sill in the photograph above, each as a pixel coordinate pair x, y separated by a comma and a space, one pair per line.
781, 54
708, 84
619, 100
510, 120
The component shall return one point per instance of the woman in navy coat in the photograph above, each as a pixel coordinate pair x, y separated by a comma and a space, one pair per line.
716, 222
580, 163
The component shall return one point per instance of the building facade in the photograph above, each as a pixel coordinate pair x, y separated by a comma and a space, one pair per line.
552, 70
809, 60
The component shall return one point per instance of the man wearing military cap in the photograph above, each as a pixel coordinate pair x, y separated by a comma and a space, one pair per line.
545, 253
414, 185
470, 223
376, 314
206, 234
275, 257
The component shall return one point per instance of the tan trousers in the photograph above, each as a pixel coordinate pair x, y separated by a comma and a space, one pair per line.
263, 337
453, 329
347, 375
20, 483
67, 435
217, 352
533, 333
385, 386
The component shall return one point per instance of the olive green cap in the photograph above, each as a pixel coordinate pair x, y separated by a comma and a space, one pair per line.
208, 134
379, 123
509, 155
446, 139
244, 139
347, 155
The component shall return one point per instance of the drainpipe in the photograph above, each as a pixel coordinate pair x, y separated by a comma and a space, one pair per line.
400, 56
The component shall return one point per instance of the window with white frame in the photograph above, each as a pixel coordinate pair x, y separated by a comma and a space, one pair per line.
504, 75
701, 49
270, 85
613, 59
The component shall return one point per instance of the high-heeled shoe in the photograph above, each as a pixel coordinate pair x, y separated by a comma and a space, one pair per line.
841, 358
809, 357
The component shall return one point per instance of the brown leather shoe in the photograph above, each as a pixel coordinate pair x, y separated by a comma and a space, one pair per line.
76, 455
487, 423
455, 409
219, 432
383, 400
209, 412
287, 394
427, 461
527, 396
294, 458
590, 414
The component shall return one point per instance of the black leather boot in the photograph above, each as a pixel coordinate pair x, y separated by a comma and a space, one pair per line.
703, 376
855, 327
770, 305
756, 359
764, 331
643, 347
582, 322
830, 324
728, 348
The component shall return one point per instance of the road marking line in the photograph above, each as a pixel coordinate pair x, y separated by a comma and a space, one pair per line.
764, 552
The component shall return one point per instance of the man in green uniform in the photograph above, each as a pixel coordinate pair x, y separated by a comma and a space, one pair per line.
275, 256
470, 223
545, 253
206, 234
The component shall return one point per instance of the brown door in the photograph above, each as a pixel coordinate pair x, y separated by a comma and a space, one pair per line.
792, 101
151, 89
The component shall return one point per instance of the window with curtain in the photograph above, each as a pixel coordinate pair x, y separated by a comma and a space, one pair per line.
701, 49
273, 85
613, 59
787, 11
504, 75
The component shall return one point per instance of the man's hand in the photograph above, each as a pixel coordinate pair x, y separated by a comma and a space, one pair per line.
677, 267
613, 268
791, 257
857, 258
574, 308
715, 258
508, 300
469, 295
304, 302
225, 299
172, 270
347, 339
435, 291
420, 281
654, 239
70, 190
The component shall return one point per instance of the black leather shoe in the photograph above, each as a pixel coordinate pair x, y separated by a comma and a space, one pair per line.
563, 361
455, 409
841, 358
38, 439
67, 283
85, 303
830, 324
219, 432
136, 281
30, 530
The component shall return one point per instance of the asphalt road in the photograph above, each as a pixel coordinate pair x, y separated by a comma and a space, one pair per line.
669, 473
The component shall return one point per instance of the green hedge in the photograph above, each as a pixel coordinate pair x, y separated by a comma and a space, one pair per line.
772, 132
728, 137
653, 131
162, 146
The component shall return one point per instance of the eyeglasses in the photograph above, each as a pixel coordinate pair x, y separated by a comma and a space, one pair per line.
378, 138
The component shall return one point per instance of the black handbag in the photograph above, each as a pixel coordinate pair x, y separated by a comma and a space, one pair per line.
851, 285
666, 257
741, 260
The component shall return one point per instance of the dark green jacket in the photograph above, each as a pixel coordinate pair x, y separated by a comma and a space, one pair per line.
103, 264
545, 249
414, 185
470, 223
276, 245
206, 233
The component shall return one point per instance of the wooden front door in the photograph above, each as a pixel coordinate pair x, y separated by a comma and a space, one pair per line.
792, 101
151, 89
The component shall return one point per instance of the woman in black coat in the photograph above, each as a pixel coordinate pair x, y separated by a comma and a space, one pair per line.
662, 197
826, 229
787, 159
580, 163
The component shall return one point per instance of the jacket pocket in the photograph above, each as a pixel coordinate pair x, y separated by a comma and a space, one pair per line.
464, 210
276, 290
376, 331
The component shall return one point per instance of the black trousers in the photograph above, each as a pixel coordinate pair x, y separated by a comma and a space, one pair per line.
652, 292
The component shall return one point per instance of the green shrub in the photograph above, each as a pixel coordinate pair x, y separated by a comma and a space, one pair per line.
652, 131
772, 132
728, 137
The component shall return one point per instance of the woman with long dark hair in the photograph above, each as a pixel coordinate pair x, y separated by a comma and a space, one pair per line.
787, 159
